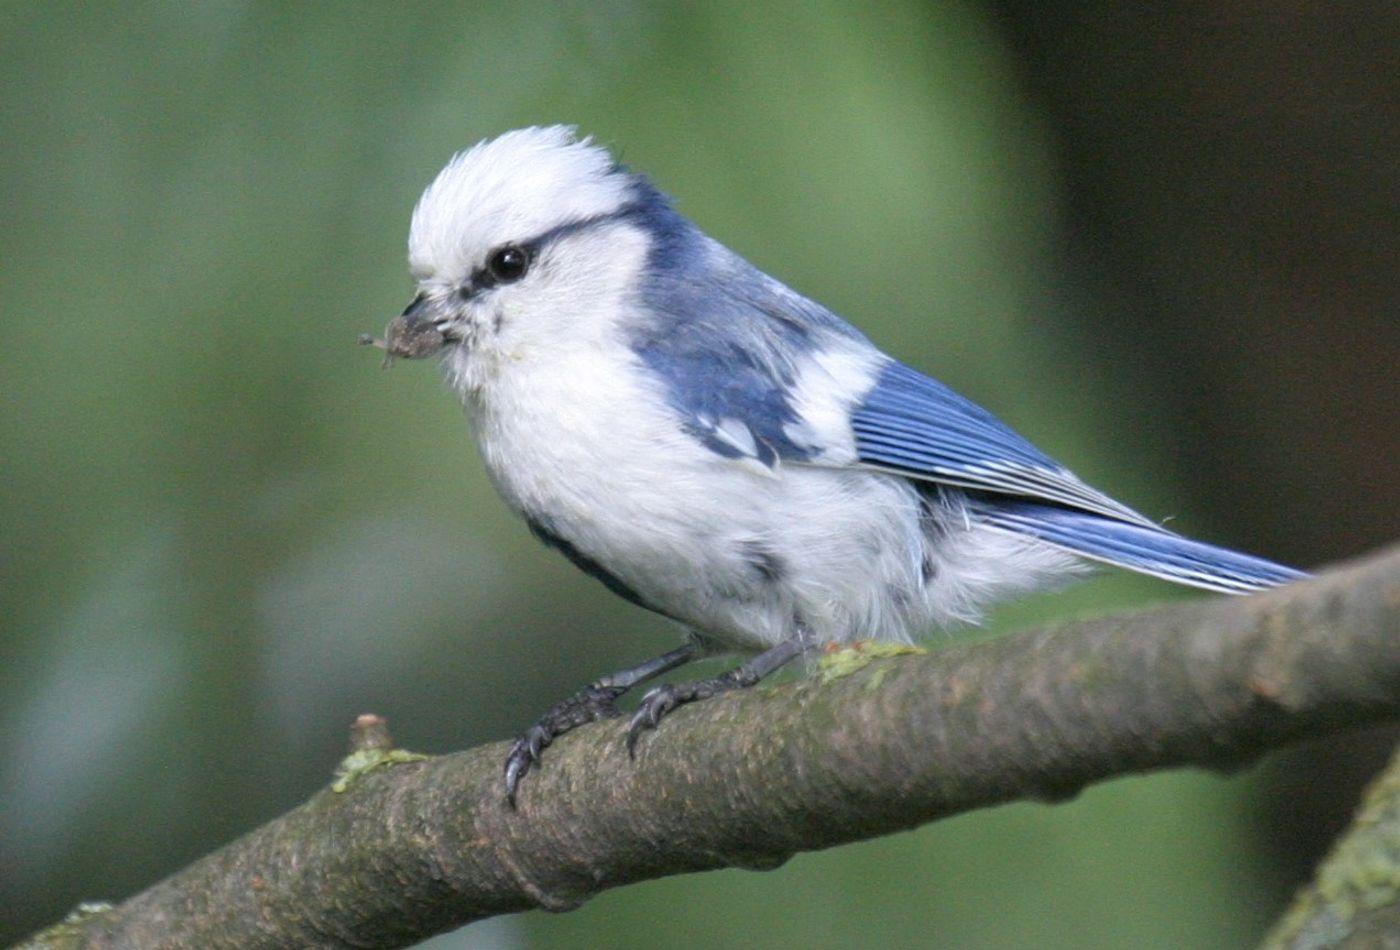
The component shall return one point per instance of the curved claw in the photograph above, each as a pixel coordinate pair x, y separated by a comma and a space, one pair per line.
517, 764
655, 704
524, 754
588, 704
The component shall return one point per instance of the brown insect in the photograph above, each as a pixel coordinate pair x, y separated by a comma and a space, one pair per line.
412, 341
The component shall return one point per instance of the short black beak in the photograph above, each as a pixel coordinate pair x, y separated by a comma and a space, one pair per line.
416, 308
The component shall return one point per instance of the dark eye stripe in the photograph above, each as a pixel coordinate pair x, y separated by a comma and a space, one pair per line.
486, 277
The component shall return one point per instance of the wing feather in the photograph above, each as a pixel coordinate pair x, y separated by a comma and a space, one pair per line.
916, 426
1153, 551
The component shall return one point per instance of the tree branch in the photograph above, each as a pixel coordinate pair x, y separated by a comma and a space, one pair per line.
858, 750
1354, 901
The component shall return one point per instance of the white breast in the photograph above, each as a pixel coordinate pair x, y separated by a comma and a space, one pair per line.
577, 434
582, 439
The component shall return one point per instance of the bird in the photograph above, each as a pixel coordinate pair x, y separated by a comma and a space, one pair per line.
717, 448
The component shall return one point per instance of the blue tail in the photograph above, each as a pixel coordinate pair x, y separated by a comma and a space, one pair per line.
1146, 549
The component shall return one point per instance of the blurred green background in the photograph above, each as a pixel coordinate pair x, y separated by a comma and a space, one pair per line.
1164, 251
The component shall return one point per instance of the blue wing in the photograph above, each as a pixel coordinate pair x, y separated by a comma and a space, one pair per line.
918, 427
724, 340
731, 402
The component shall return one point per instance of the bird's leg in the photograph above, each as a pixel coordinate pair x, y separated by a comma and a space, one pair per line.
662, 699
597, 700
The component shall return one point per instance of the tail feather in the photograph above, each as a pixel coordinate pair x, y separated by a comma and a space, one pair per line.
1148, 550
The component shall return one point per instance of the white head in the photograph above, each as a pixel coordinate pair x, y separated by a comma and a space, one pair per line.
525, 241
512, 187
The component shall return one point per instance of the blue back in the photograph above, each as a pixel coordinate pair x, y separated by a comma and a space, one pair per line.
726, 339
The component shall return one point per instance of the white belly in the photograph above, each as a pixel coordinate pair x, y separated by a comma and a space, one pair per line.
743, 554
739, 552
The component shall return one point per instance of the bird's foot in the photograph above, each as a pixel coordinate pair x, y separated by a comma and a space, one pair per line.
599, 700
663, 699
587, 705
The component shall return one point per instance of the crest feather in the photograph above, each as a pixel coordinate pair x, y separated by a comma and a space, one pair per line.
510, 188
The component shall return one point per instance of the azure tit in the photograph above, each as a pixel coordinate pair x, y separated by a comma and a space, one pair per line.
719, 449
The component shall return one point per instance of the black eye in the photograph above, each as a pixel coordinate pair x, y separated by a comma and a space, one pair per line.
508, 263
